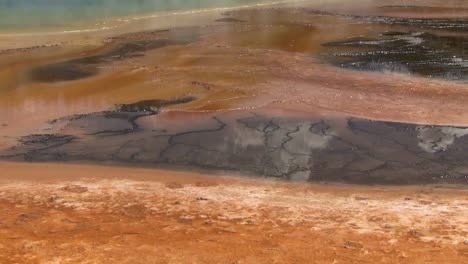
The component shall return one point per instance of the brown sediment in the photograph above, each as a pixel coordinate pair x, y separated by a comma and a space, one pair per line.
229, 19
261, 61
71, 213
287, 80
424, 11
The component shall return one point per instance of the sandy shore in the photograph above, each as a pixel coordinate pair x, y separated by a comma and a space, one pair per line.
70, 213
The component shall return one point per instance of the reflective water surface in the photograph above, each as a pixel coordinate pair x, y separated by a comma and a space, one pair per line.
372, 93
28, 15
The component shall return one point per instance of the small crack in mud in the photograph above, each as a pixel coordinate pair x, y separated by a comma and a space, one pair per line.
255, 144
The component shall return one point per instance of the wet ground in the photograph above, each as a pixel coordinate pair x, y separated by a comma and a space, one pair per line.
119, 147
315, 149
429, 47
88, 66
459, 24
420, 53
246, 59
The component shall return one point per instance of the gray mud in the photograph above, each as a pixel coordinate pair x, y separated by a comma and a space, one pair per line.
346, 150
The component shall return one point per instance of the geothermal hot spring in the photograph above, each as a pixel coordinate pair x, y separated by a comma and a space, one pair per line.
233, 131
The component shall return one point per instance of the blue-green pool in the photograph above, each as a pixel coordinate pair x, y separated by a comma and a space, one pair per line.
26, 15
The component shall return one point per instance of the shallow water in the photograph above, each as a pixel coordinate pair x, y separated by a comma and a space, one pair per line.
27, 15
105, 100
422, 53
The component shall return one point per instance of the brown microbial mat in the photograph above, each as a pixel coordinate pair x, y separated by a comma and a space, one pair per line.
303, 132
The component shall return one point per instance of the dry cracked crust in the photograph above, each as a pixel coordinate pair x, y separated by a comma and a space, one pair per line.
255, 143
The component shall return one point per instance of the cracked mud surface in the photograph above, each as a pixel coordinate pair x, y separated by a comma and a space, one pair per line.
312, 149
176, 99
70, 214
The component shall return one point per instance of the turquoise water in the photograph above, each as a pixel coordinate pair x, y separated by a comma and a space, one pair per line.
18, 15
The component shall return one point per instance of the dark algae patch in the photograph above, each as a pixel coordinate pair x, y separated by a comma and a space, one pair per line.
420, 53
229, 20
447, 24
129, 50
88, 66
318, 150
429, 47
452, 24
62, 72
152, 105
